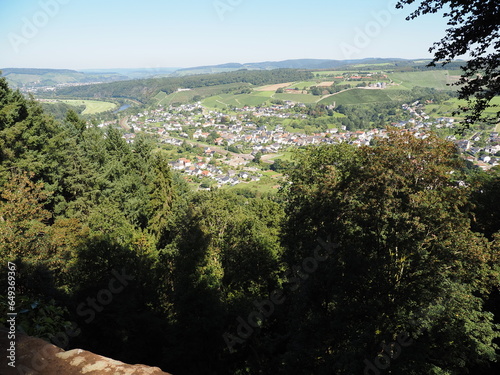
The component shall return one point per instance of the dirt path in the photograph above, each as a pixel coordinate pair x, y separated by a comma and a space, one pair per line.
274, 87
267, 158
327, 96
218, 101
124, 123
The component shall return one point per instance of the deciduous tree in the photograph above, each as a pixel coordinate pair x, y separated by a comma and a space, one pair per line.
473, 30
408, 260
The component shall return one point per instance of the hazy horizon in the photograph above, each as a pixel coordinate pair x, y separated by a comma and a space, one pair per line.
173, 68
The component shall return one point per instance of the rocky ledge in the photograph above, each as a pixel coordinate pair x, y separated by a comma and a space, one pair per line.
34, 356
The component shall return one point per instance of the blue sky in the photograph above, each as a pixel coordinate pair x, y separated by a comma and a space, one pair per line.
84, 34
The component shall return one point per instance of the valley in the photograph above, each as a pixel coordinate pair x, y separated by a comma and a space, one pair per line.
232, 127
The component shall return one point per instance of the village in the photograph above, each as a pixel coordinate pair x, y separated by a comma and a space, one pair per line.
230, 142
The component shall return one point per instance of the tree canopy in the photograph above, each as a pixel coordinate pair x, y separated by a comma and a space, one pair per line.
473, 30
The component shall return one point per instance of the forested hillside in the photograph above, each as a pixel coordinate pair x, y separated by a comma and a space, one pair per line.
145, 89
25, 78
382, 257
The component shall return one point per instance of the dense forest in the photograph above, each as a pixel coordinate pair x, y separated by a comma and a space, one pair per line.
369, 259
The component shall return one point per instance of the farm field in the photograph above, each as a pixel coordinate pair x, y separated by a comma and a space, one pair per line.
176, 97
301, 85
184, 97
397, 87
438, 79
91, 106
446, 108
298, 98
357, 96
267, 94
273, 87
494, 101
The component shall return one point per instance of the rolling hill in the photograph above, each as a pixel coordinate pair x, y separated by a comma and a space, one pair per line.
23, 78
309, 64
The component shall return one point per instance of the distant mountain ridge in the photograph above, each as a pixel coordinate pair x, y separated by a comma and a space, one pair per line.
26, 77
29, 78
287, 64
36, 71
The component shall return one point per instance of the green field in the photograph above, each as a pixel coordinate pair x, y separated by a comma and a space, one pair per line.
397, 94
298, 98
494, 101
184, 97
267, 94
91, 106
283, 155
256, 98
396, 87
269, 183
447, 108
301, 85
444, 109
438, 79
357, 96
176, 97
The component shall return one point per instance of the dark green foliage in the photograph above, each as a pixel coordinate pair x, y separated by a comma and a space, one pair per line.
406, 249
474, 30
60, 110
486, 197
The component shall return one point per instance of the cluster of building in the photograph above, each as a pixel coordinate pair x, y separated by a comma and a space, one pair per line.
486, 156
282, 111
174, 125
480, 148
201, 168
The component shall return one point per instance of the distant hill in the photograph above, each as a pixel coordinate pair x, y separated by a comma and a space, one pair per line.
135, 73
309, 64
144, 90
35, 78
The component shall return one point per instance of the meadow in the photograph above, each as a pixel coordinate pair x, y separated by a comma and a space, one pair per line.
183, 97
438, 79
447, 108
302, 85
356, 96
92, 107
298, 98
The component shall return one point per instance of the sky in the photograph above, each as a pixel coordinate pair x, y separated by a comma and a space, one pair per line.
106, 34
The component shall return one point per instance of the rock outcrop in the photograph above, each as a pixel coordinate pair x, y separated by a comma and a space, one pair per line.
38, 357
